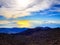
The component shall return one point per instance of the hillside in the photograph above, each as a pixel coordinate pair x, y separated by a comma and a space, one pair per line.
36, 36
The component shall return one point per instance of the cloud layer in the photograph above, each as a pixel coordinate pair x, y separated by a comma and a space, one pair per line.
12, 9
32, 23
19, 8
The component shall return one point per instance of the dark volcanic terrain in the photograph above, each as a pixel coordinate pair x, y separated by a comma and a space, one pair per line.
36, 36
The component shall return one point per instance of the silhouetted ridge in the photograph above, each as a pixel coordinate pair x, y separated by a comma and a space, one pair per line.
24, 30
32, 36
12, 30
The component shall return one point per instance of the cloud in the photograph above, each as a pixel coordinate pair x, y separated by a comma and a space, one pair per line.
33, 23
44, 22
52, 22
36, 23
13, 9
2, 18
19, 8
53, 10
7, 24
4, 22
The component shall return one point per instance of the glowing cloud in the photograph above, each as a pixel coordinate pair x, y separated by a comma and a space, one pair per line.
26, 23
23, 24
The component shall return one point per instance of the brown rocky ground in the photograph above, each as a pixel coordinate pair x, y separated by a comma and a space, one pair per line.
35, 36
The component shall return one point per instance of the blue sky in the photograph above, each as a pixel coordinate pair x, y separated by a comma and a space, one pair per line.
46, 13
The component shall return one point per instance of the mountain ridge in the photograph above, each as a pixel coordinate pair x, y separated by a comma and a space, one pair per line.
35, 36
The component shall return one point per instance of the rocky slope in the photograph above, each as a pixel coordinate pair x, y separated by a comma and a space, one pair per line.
36, 36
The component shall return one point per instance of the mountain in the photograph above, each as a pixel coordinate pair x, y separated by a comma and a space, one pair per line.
12, 30
34, 36
52, 25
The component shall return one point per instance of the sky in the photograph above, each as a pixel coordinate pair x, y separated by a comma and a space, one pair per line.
29, 13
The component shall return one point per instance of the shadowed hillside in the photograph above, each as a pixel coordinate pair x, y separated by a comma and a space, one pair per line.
36, 36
